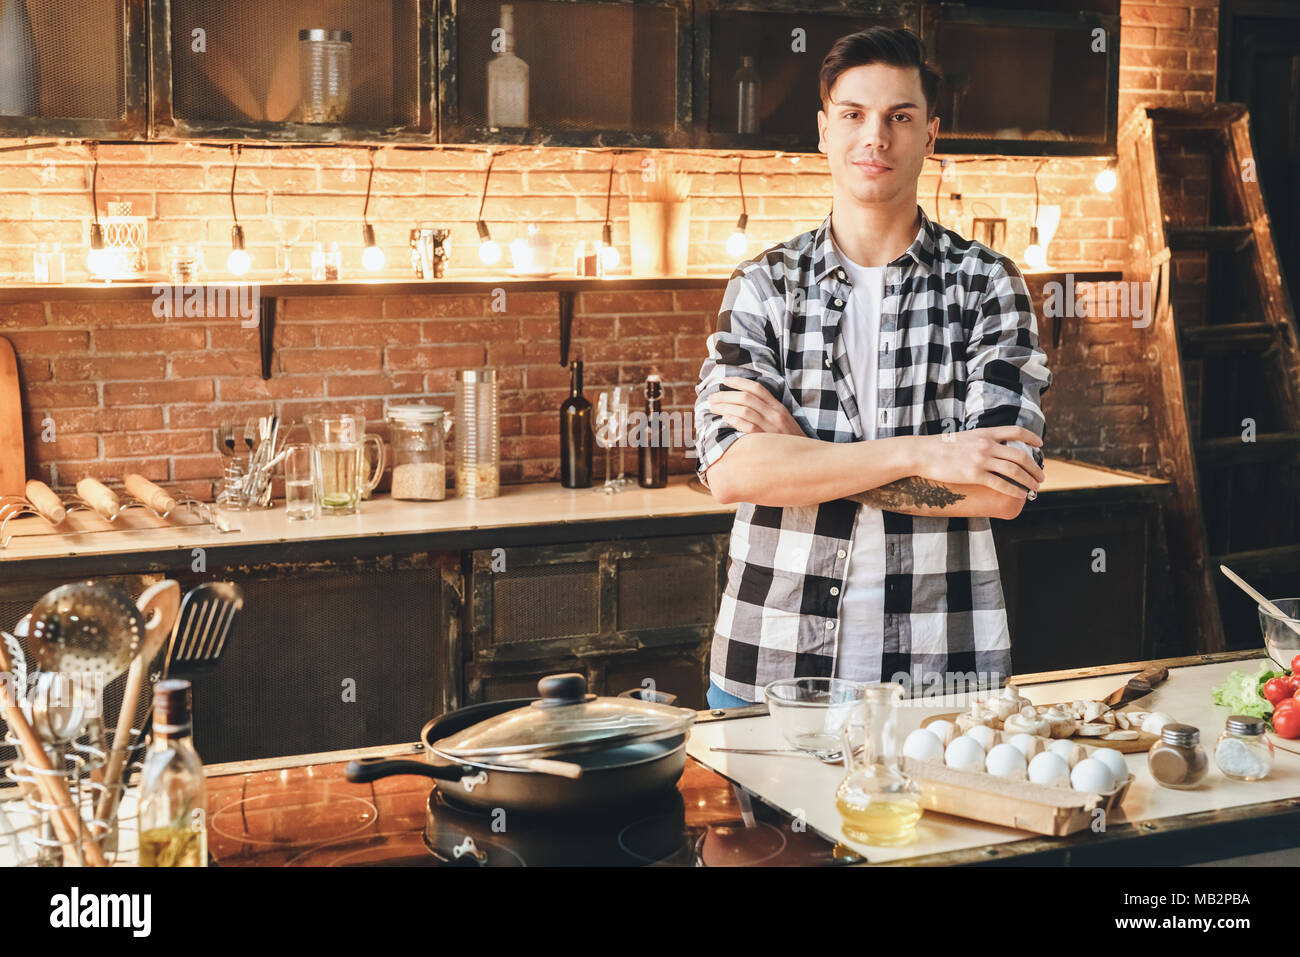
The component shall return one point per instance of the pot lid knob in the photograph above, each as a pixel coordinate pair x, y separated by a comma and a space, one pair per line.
565, 689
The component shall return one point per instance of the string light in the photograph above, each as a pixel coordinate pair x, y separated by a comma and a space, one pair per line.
373, 257
1106, 179
737, 241
608, 251
101, 261
238, 262
488, 251
1035, 254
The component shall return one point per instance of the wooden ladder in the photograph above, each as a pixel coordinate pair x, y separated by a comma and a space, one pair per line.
1236, 499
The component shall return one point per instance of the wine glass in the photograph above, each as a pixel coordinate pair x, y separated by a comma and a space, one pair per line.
620, 407
605, 422
288, 230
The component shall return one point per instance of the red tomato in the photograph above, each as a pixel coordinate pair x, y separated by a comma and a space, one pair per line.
1287, 723
1286, 704
1295, 664
1277, 690
1293, 681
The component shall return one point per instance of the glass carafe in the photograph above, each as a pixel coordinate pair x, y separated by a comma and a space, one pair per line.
878, 803
338, 450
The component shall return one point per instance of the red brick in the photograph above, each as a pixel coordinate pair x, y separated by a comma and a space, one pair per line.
158, 393
498, 328
171, 442
97, 420
65, 448
49, 343
590, 303
199, 466
226, 362
250, 389
329, 360
100, 370
317, 308
421, 358
435, 306
21, 315
60, 396
98, 314
153, 469
405, 383
369, 334
210, 416
35, 370
137, 341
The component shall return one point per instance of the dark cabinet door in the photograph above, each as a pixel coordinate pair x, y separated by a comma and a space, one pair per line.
74, 69
599, 72
238, 70
779, 47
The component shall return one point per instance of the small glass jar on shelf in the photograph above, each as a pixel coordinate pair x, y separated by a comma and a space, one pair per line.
418, 435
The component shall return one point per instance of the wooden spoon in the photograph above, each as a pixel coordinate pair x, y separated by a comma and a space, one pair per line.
1267, 605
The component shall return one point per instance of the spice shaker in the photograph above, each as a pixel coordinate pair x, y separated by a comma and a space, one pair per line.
1243, 751
1177, 760
418, 432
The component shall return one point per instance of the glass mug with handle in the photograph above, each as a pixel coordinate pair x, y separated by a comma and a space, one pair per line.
338, 451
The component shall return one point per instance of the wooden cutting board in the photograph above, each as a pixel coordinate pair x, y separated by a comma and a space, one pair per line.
13, 467
1143, 742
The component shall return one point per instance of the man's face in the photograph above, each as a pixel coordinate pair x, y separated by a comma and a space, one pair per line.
875, 134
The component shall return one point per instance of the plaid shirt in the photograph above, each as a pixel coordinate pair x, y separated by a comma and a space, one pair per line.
958, 350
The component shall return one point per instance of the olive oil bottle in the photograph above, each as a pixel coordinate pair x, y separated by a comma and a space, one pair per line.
173, 791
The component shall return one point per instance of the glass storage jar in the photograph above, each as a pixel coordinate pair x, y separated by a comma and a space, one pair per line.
418, 436
1177, 760
1244, 752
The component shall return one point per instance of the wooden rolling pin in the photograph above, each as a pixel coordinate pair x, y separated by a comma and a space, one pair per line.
43, 499
99, 497
153, 496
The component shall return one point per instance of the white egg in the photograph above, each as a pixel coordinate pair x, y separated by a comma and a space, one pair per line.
1030, 745
922, 745
1155, 721
945, 731
1113, 760
985, 735
964, 754
1069, 751
1050, 768
1092, 776
1005, 761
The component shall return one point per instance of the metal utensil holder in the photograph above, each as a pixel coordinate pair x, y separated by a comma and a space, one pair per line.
27, 835
191, 510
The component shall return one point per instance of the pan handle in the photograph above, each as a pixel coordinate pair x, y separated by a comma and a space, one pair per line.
372, 769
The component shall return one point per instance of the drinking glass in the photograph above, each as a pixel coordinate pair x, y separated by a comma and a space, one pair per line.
299, 496
620, 407
606, 433
288, 230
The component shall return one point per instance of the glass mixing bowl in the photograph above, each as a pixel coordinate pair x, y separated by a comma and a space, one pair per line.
811, 711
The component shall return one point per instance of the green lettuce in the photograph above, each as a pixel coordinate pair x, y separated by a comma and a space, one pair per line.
1241, 692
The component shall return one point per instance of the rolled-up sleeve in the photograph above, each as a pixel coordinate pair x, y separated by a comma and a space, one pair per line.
1007, 372
744, 345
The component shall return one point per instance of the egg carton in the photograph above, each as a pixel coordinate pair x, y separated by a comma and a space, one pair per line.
1023, 805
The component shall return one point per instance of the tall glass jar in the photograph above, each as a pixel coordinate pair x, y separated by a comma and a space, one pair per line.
878, 803
418, 436
478, 434
325, 74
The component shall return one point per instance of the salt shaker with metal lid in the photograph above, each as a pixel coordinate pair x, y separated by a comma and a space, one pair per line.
1244, 752
1177, 760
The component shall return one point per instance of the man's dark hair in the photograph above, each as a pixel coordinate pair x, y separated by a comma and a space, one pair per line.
888, 45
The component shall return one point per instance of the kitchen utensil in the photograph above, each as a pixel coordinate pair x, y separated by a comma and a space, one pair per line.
159, 606
226, 439
13, 465
338, 461
1140, 744
1281, 629
67, 822
149, 493
478, 434
48, 505
206, 616
834, 758
99, 497
811, 711
57, 715
89, 627
627, 749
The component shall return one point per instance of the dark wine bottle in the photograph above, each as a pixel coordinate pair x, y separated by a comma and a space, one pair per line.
654, 449
575, 433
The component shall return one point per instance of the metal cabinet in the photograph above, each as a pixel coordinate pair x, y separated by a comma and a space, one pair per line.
627, 614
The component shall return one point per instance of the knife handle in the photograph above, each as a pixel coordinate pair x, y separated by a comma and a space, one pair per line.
1146, 680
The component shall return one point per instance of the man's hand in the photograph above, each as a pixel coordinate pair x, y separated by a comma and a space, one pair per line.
978, 457
748, 407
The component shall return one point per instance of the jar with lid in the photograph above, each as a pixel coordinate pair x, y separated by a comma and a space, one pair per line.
1244, 752
1177, 760
418, 434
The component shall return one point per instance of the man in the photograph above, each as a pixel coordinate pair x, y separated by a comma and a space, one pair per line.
871, 400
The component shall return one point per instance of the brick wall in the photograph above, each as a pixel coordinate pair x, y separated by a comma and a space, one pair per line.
123, 387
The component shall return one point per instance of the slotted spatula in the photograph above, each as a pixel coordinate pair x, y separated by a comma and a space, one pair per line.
207, 613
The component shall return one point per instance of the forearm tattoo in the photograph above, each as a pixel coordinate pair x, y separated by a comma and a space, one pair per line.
911, 492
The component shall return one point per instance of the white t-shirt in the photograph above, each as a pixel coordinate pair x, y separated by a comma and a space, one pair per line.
862, 606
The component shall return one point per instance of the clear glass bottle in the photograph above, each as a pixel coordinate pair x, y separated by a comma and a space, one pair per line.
1244, 752
507, 79
652, 456
747, 96
1177, 760
318, 263
173, 791
878, 803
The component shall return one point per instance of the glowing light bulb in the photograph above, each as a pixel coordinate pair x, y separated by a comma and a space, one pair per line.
239, 262
373, 258
1105, 181
736, 244
489, 252
609, 256
1035, 256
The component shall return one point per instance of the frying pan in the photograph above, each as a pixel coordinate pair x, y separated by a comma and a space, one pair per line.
625, 773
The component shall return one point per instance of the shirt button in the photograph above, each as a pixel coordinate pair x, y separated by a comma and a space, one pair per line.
841, 554
839, 302
884, 416
840, 274
835, 589
830, 625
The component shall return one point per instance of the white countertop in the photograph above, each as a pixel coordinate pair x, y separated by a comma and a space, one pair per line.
805, 787
543, 503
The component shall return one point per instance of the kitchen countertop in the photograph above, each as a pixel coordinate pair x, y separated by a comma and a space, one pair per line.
458, 523
744, 809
